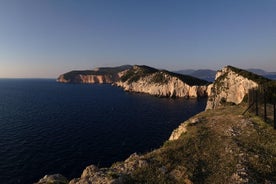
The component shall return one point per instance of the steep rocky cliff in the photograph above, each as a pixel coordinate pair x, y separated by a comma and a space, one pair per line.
88, 79
99, 75
232, 85
144, 79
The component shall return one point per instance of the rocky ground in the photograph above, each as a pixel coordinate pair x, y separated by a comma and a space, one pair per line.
215, 146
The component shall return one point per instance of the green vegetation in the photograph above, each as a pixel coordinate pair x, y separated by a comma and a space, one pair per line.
224, 147
137, 72
254, 77
101, 71
261, 151
159, 76
74, 73
191, 81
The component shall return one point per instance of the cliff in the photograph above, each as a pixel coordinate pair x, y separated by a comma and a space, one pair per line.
99, 75
162, 83
232, 85
142, 79
208, 150
216, 146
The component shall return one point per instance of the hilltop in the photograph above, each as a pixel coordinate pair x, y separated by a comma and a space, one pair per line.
232, 85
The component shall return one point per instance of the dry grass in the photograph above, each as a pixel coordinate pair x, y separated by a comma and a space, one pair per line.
225, 147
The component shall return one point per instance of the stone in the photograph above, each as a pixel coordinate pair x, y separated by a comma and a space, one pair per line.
89, 171
229, 86
53, 179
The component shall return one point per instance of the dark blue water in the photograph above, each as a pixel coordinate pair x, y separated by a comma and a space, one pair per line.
48, 127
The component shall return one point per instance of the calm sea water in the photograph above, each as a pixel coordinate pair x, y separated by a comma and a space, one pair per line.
48, 127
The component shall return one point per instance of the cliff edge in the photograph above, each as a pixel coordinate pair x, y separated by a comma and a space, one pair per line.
162, 83
141, 79
215, 146
99, 75
219, 145
232, 85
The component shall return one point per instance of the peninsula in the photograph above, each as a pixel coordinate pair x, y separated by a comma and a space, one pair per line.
141, 79
219, 145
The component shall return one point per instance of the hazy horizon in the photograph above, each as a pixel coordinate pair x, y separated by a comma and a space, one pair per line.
42, 39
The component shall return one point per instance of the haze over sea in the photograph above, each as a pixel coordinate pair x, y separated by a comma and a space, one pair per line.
48, 127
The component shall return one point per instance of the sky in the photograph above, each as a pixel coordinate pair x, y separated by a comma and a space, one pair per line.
45, 38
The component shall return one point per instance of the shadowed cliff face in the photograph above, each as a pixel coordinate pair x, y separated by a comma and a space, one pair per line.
231, 85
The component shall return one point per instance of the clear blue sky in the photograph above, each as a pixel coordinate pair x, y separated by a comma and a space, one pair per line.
44, 38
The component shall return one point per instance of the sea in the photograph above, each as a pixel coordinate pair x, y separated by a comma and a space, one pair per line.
48, 127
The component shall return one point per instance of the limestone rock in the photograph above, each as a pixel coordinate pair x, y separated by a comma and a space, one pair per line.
89, 79
112, 175
161, 83
98, 75
53, 179
132, 163
182, 128
229, 86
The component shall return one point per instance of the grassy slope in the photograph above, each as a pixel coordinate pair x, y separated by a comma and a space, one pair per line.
225, 147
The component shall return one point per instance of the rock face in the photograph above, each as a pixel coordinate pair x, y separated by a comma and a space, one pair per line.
55, 178
99, 75
182, 128
231, 85
89, 79
143, 79
116, 174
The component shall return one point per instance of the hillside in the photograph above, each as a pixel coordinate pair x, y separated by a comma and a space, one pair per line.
144, 79
216, 146
98, 75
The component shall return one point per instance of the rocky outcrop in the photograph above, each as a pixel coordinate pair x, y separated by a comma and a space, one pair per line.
115, 174
161, 83
182, 128
141, 79
231, 85
99, 75
89, 79
55, 179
